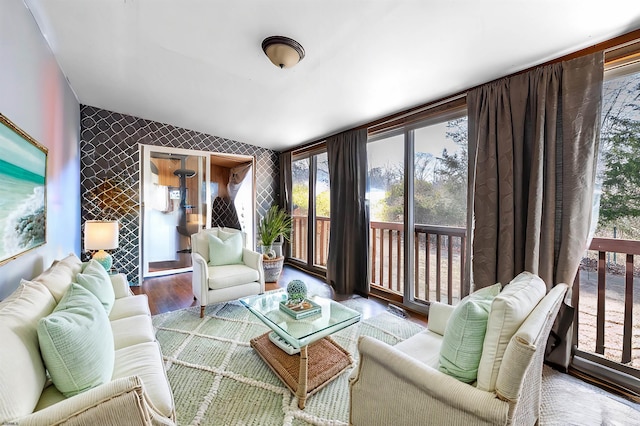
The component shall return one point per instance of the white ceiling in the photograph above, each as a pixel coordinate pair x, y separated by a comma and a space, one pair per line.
198, 64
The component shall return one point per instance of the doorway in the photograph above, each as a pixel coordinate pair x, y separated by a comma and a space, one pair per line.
181, 192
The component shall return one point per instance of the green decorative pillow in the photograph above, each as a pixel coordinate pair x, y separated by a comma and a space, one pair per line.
226, 250
76, 342
95, 279
464, 335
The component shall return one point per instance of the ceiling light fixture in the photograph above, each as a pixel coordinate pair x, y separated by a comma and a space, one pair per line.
282, 51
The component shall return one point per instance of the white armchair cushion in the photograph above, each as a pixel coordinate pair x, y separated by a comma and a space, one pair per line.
423, 347
225, 249
439, 314
508, 311
76, 342
231, 276
463, 337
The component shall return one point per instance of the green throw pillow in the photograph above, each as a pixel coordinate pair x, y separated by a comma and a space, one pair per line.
76, 342
464, 335
226, 250
95, 279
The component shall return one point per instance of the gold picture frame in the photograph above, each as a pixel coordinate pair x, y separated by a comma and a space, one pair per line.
23, 192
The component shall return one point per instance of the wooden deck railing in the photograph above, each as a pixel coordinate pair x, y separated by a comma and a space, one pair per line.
439, 271
612, 293
439, 255
299, 245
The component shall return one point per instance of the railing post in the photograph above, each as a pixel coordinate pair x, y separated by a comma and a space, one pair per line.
628, 311
602, 277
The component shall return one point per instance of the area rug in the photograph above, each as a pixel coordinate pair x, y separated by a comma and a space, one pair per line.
217, 379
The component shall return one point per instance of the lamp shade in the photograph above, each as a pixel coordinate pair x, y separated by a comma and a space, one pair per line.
282, 51
100, 235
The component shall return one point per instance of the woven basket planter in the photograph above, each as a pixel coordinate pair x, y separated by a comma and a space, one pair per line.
272, 269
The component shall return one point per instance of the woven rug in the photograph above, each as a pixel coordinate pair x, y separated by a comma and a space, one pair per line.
217, 379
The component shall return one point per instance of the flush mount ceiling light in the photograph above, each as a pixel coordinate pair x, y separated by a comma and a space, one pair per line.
282, 51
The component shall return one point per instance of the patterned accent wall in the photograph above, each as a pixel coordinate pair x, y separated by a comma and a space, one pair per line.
110, 172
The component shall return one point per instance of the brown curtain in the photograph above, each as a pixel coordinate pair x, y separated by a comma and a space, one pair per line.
284, 197
347, 262
533, 143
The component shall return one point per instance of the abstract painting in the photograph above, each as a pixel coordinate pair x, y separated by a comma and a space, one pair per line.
23, 173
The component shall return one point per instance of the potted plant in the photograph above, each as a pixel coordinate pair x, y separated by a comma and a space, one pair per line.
277, 222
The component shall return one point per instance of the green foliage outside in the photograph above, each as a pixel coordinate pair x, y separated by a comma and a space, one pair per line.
300, 197
440, 184
620, 159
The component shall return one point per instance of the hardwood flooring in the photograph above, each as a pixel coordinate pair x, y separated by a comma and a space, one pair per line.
173, 292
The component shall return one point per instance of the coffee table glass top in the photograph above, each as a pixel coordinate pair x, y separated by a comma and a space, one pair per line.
302, 332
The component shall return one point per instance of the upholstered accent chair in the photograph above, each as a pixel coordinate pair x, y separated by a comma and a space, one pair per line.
223, 268
405, 384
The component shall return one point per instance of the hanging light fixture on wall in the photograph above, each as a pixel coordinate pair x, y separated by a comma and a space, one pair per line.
282, 51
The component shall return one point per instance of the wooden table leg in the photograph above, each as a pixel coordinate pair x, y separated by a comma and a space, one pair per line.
302, 378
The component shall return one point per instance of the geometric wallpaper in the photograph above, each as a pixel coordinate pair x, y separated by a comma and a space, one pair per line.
110, 172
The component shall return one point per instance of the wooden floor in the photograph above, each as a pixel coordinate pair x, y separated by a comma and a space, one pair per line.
173, 292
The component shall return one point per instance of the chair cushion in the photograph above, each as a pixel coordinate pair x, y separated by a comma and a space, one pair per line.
22, 371
145, 360
130, 306
423, 347
464, 334
225, 249
231, 275
508, 311
132, 330
96, 279
76, 342
59, 276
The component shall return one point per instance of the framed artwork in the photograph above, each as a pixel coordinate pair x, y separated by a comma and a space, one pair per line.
23, 183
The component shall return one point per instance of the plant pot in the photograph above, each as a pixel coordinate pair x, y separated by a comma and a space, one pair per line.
272, 269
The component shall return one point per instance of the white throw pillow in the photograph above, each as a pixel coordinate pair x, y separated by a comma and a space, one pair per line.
508, 311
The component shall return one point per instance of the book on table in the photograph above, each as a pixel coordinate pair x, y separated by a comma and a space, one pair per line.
299, 310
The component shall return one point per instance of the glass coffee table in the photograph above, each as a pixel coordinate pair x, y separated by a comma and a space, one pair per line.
315, 358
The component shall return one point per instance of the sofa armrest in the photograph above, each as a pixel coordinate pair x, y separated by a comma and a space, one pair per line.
120, 285
253, 260
439, 314
200, 278
121, 400
390, 387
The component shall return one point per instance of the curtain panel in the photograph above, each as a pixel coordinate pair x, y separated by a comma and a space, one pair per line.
284, 198
533, 144
347, 262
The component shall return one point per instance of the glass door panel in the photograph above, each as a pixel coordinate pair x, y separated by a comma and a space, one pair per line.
174, 206
386, 201
322, 207
439, 210
300, 208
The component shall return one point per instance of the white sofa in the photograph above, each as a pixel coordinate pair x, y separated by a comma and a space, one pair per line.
215, 284
138, 392
403, 384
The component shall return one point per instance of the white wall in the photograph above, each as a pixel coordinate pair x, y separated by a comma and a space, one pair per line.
35, 95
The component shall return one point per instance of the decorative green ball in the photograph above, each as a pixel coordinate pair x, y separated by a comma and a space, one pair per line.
297, 290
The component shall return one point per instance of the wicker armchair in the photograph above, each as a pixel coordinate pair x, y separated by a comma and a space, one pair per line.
401, 385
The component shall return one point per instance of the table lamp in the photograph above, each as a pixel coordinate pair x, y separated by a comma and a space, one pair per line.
101, 235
